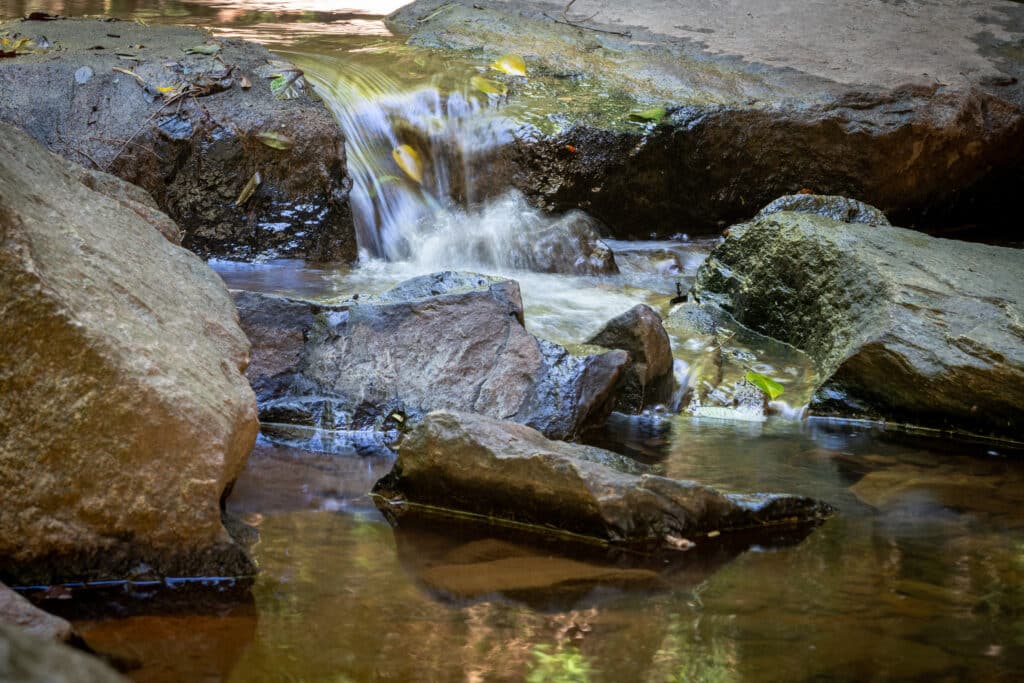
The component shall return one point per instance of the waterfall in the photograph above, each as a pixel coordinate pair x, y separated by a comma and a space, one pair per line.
453, 210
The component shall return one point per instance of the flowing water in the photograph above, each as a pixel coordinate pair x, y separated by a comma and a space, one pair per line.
919, 577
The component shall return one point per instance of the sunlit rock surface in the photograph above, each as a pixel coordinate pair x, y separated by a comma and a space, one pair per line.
124, 411
760, 99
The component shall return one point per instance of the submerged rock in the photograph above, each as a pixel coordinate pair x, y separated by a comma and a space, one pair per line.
648, 379
471, 463
901, 326
197, 152
754, 108
443, 341
26, 658
124, 413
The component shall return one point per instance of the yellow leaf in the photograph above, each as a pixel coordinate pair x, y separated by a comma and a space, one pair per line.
166, 88
409, 161
513, 65
485, 85
275, 140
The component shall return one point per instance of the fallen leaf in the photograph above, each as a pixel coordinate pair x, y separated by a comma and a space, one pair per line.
164, 89
765, 384
409, 161
249, 188
513, 65
652, 115
275, 140
487, 86
287, 85
203, 50
130, 73
244, 82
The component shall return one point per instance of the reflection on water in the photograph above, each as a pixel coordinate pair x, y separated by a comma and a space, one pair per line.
919, 577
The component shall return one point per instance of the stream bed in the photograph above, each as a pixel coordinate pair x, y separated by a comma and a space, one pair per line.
918, 577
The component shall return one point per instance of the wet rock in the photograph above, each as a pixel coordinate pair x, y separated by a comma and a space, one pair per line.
442, 341
763, 105
476, 464
125, 412
571, 246
842, 209
648, 379
900, 326
26, 658
276, 328
18, 611
195, 155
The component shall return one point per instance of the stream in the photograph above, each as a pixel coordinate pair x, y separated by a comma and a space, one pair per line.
919, 577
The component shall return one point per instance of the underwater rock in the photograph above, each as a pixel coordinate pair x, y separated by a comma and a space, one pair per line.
648, 378
180, 126
124, 409
501, 470
442, 341
901, 326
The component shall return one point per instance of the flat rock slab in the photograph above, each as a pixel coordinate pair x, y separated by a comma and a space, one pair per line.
474, 464
900, 325
197, 153
124, 410
759, 100
441, 341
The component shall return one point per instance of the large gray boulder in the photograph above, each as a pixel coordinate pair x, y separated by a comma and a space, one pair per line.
26, 658
471, 463
901, 326
741, 102
444, 341
124, 411
195, 153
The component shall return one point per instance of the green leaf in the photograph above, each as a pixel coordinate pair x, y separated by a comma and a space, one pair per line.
487, 86
287, 85
652, 115
765, 384
203, 50
275, 140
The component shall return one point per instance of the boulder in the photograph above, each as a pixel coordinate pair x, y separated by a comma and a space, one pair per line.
648, 378
691, 116
124, 411
474, 464
901, 326
26, 658
197, 146
443, 341
18, 611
